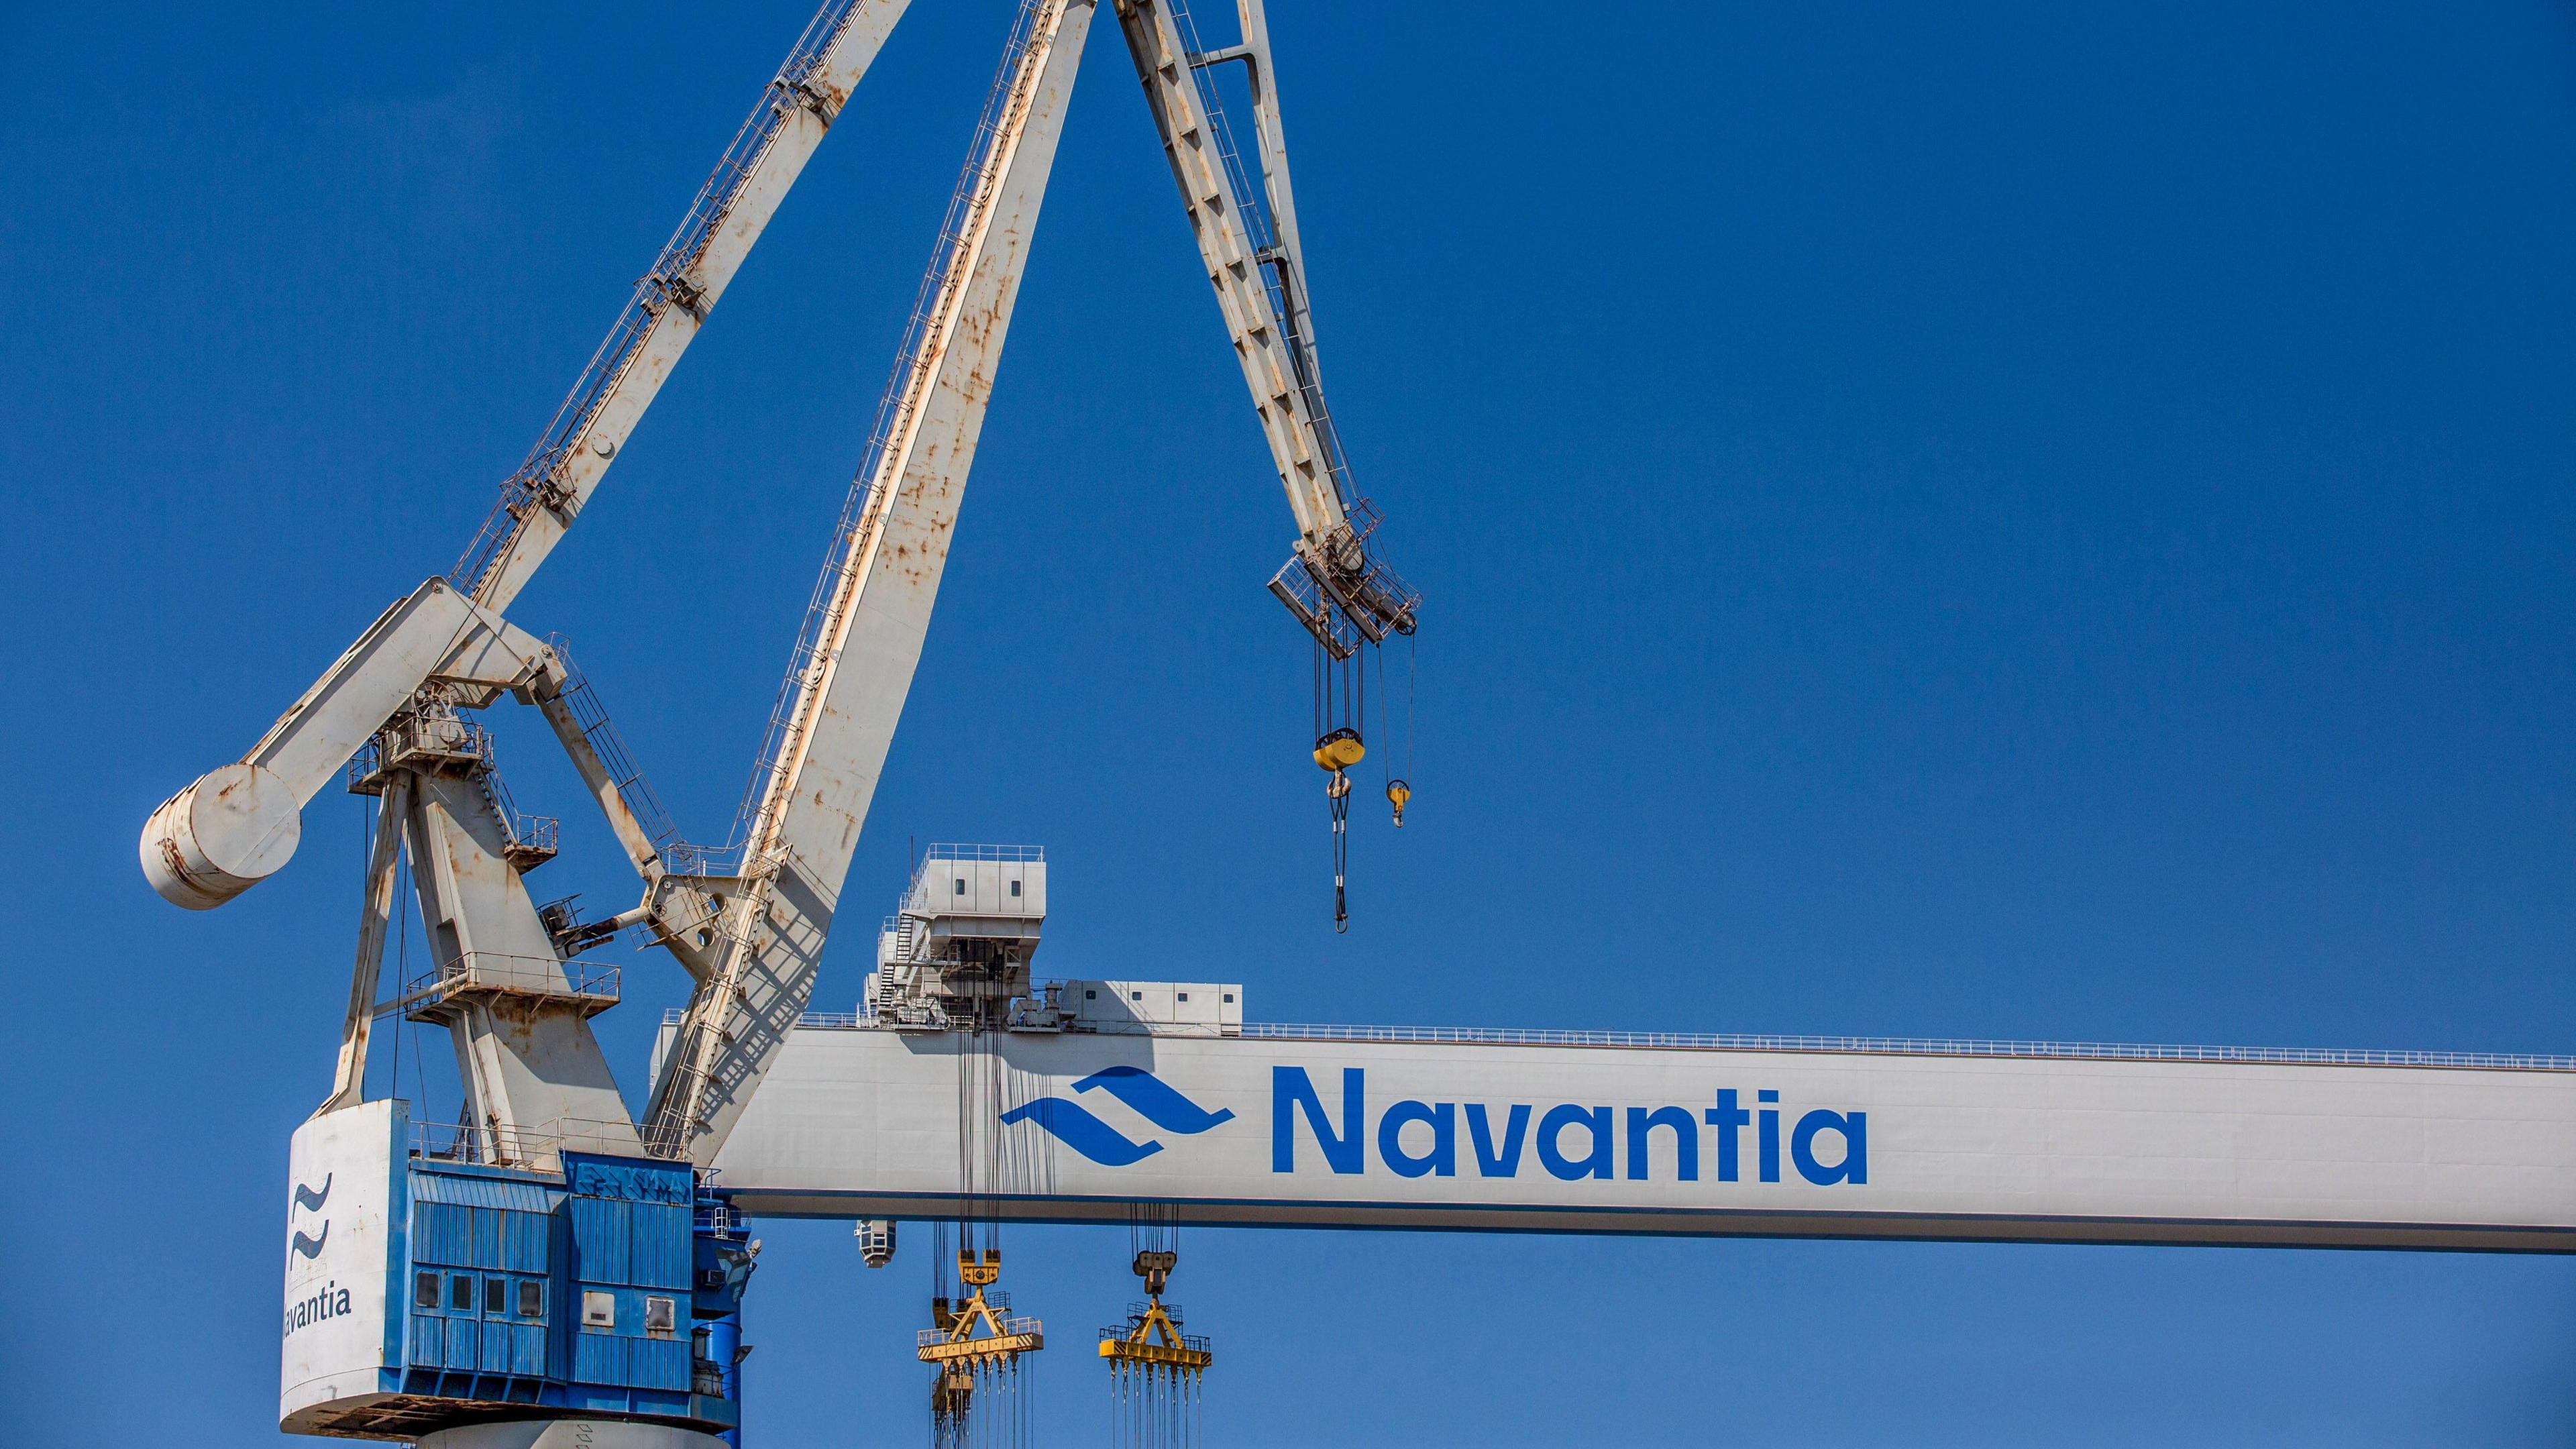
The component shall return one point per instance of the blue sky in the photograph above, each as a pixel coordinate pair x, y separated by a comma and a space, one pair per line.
2014, 521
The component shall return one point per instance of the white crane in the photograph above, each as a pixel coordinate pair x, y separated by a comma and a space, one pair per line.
406, 1330
749, 923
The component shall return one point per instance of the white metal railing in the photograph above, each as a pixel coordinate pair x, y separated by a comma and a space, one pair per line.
984, 852
511, 976
508, 1146
1908, 1046
1862, 1045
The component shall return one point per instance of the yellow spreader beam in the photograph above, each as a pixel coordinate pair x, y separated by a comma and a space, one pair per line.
1129, 1351
999, 1346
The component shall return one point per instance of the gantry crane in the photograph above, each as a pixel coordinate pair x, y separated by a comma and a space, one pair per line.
747, 922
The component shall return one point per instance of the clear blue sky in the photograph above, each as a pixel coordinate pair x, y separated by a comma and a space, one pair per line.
2013, 520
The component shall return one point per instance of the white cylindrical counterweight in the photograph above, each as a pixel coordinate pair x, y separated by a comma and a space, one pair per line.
220, 836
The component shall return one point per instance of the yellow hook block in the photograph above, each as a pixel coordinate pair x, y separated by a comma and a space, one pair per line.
1340, 750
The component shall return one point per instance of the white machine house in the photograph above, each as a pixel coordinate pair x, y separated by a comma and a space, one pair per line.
549, 1268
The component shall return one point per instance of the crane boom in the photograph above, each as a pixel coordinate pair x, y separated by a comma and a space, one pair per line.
1249, 243
855, 667
238, 824
540, 500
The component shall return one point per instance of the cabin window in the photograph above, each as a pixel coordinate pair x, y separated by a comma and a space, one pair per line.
1185, 996
496, 1296
532, 1298
460, 1292
961, 886
424, 1290
1015, 888
659, 1314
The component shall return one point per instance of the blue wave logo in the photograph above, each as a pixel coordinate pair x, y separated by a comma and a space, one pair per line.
1141, 1092
311, 1201
311, 1247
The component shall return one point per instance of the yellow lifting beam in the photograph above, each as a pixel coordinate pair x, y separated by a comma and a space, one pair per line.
954, 1340
1154, 1339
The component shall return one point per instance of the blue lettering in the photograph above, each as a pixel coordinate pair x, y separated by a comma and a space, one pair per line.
1685, 1140
1443, 1157
1291, 1088
1595, 1122
1480, 1131
1854, 1127
1770, 1136
1729, 1120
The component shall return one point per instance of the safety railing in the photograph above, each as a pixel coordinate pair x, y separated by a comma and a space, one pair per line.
945, 851
595, 983
1854, 1045
1907, 1046
489, 1146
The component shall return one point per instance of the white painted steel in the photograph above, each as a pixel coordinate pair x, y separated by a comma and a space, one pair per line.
342, 1226
1153, 1007
862, 1123
222, 835
239, 824
408, 644
849, 699
375, 914
601, 436
532, 1071
1218, 225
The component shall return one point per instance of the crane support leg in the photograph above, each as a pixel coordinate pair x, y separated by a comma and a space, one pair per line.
348, 1084
534, 1076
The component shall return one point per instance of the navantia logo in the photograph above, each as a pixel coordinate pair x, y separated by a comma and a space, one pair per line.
330, 1300
1738, 1136
310, 1200
1572, 1141
1143, 1093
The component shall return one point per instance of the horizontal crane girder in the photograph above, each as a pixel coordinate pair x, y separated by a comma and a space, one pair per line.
1264, 1130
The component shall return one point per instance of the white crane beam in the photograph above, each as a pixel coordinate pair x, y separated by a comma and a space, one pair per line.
672, 302
874, 609
1337, 1127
